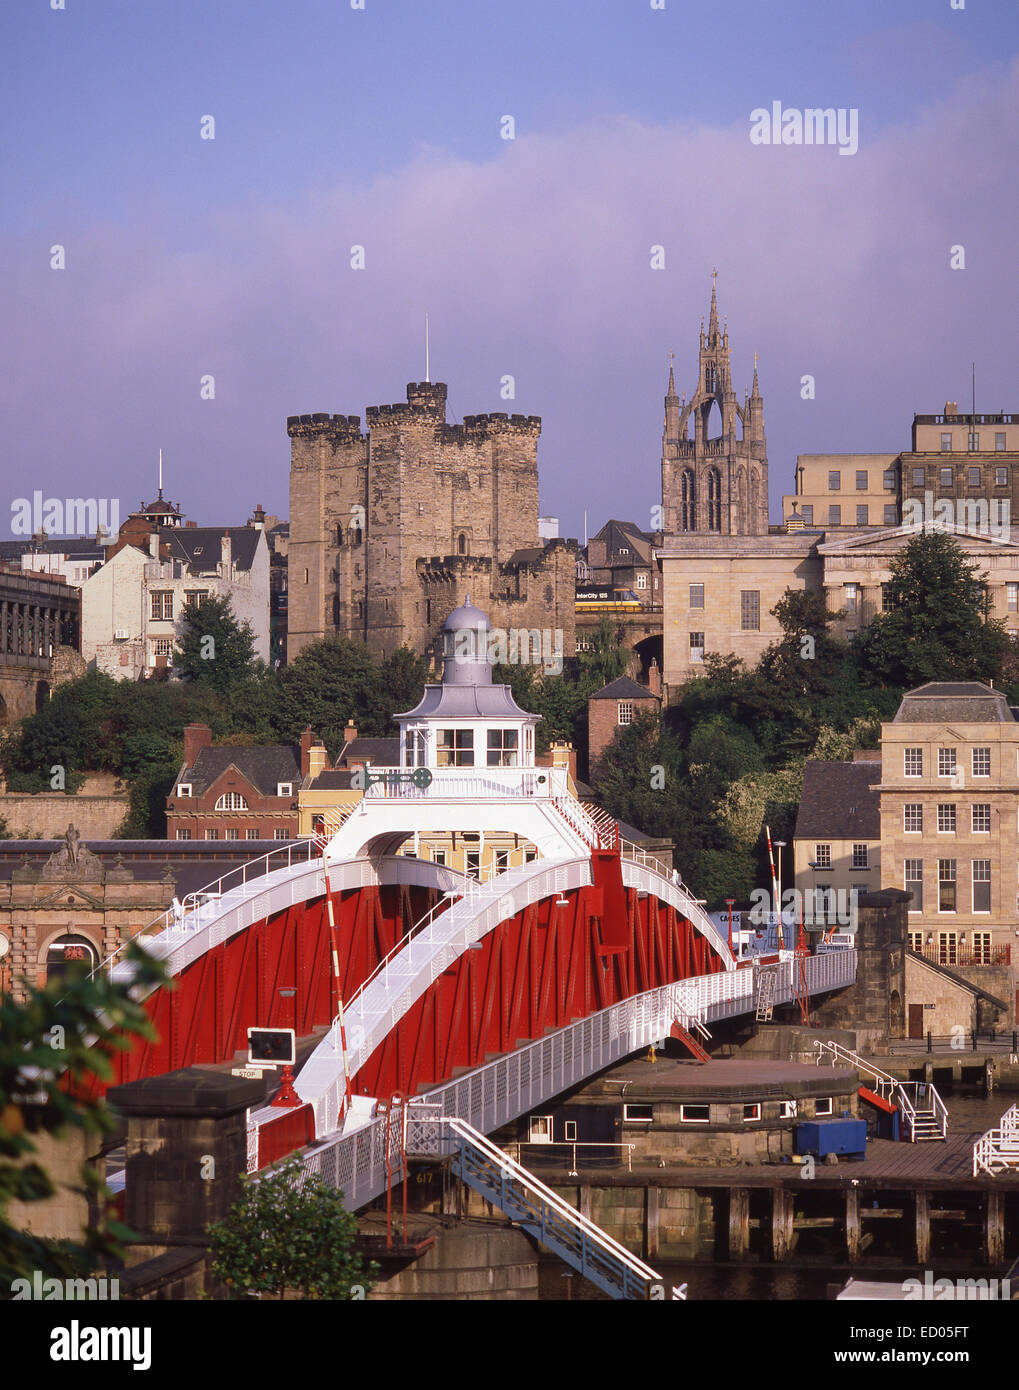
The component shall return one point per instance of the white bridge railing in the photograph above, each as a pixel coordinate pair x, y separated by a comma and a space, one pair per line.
924, 1113
998, 1149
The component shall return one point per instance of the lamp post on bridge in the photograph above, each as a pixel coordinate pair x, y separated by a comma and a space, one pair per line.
729, 904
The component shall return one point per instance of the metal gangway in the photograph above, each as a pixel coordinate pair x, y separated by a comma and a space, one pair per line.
504, 1182
924, 1114
998, 1149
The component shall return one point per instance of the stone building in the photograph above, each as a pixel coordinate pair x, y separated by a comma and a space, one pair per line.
837, 840
964, 458
714, 484
835, 490
40, 623
391, 529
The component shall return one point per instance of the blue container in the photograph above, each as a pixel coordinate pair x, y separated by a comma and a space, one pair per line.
822, 1137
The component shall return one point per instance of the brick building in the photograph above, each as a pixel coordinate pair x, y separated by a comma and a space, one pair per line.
392, 529
233, 792
612, 708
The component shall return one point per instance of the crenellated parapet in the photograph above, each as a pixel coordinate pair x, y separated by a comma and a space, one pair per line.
342, 428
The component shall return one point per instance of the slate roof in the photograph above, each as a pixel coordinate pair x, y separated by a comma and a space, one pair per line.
201, 546
623, 688
620, 534
332, 780
263, 766
840, 801
384, 752
954, 702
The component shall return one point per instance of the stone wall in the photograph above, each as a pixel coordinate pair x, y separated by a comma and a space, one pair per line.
954, 1005
874, 1007
65, 1215
473, 1261
98, 810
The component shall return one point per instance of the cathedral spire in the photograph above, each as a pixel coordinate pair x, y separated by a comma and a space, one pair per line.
756, 393
671, 393
713, 318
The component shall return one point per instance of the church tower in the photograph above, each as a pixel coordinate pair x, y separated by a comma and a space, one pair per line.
715, 483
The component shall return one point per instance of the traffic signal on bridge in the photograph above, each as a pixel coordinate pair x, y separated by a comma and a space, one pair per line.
271, 1047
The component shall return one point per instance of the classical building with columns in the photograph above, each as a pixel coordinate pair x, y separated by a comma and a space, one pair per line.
39, 615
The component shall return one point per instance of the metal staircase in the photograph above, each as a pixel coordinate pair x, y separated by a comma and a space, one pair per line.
924, 1114
690, 1042
998, 1149
529, 1203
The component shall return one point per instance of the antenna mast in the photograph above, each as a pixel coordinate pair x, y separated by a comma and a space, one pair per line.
160, 475
427, 372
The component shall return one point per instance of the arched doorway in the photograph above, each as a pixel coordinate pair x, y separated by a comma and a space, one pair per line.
70, 953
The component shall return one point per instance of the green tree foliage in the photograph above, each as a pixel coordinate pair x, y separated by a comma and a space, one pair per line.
288, 1230
336, 679
938, 626
62, 1034
215, 649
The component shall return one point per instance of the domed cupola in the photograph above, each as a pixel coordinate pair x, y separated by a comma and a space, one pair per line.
465, 647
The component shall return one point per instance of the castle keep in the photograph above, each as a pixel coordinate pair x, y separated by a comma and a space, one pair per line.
391, 529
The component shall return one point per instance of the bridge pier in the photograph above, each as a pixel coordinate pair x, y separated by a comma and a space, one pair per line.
852, 1224
995, 1228
651, 1224
782, 1203
923, 1226
739, 1223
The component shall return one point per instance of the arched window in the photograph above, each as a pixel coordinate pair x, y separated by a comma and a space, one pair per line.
70, 952
339, 533
461, 544
710, 377
754, 501
231, 801
355, 535
688, 498
714, 500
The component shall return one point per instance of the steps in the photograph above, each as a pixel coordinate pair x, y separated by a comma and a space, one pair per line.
690, 1042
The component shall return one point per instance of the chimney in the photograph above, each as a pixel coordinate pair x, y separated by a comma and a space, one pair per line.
349, 733
226, 546
951, 407
307, 739
318, 759
196, 737
654, 679
154, 544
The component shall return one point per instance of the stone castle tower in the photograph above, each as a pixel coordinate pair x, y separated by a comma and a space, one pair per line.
391, 529
715, 484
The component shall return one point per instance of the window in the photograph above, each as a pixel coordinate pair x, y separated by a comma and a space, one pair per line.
501, 860
696, 595
694, 1114
163, 646
530, 855
982, 761
889, 480
625, 712
974, 441
231, 801
861, 857
822, 856
455, 748
1001, 477
981, 948
183, 834
1012, 590
981, 814
251, 834
886, 603
787, 1110
981, 885
233, 834
914, 883
161, 605
184, 789
503, 748
919, 477
439, 857
642, 580
823, 1107
852, 592
861, 480
972, 477
473, 859
948, 947
914, 940
999, 446
750, 610
570, 1131
947, 477
946, 443
946, 762
807, 511
891, 514
642, 1114
912, 762
212, 834
284, 788
697, 646
834, 515
946, 885
835, 481
540, 1129
912, 818
196, 596
946, 817
281, 835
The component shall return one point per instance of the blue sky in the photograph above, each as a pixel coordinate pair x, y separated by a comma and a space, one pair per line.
381, 127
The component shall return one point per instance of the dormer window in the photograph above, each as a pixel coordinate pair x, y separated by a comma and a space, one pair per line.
184, 789
284, 788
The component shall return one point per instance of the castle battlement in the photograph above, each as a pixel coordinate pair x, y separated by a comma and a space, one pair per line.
347, 427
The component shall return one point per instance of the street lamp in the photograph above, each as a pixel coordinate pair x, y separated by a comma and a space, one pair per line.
779, 847
729, 902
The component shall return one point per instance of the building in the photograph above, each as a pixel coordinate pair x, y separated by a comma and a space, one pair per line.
391, 529
971, 459
714, 484
73, 558
837, 840
853, 490
40, 625
619, 578
234, 792
132, 605
612, 708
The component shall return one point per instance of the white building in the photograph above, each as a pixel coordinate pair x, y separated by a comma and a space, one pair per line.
131, 607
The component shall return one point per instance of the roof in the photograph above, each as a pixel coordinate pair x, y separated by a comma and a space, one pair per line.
77, 547
840, 801
528, 555
201, 547
385, 752
468, 702
956, 702
623, 688
263, 765
333, 779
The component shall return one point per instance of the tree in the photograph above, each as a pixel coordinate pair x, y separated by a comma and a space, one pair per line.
938, 625
288, 1230
215, 649
50, 1046
329, 682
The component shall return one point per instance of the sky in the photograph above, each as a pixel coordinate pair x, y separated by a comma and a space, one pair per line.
207, 289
